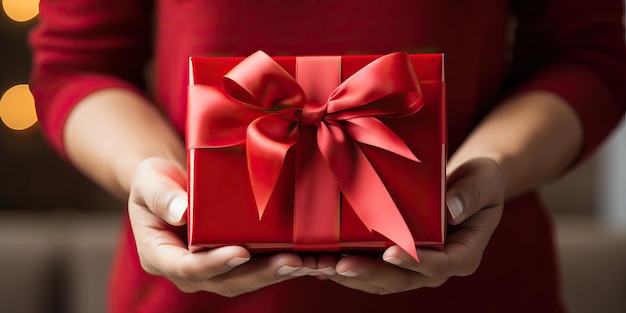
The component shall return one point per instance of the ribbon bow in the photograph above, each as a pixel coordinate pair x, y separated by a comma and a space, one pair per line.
264, 108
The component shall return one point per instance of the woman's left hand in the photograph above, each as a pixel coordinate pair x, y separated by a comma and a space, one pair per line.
475, 198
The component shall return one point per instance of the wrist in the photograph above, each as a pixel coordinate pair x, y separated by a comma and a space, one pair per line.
110, 132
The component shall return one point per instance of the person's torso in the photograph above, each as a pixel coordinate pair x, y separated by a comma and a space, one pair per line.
471, 34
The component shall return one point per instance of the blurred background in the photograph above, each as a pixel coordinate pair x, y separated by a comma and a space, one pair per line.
58, 230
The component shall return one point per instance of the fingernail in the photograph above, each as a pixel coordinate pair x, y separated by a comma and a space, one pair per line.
328, 270
303, 271
177, 208
236, 261
286, 270
393, 260
349, 273
455, 206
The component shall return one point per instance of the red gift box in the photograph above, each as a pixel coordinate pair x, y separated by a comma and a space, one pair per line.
316, 153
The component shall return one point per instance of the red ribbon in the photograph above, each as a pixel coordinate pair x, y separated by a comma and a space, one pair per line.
262, 107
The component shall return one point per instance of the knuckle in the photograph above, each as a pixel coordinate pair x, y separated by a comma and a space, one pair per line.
475, 194
147, 189
142, 168
437, 269
188, 270
212, 271
265, 279
380, 291
471, 267
191, 269
498, 173
406, 282
186, 288
435, 283
188, 274
159, 198
229, 289
148, 267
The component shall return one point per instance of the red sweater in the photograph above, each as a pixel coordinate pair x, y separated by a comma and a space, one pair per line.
574, 48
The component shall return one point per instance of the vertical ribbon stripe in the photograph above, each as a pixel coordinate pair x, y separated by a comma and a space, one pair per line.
317, 209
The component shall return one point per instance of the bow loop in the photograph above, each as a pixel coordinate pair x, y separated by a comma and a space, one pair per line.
269, 87
388, 86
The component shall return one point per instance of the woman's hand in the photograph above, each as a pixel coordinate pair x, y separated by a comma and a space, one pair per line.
475, 197
122, 141
157, 207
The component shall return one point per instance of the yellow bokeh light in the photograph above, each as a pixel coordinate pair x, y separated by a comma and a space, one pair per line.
17, 108
21, 10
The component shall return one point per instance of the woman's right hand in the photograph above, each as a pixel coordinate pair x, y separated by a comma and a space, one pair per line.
157, 207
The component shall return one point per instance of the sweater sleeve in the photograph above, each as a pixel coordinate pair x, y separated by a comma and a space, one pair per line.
575, 49
80, 47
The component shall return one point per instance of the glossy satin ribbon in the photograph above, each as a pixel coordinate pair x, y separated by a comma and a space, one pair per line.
264, 108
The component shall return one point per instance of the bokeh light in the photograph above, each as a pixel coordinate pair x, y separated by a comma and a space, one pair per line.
21, 10
17, 108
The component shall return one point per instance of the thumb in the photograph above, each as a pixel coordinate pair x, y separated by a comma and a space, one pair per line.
159, 186
478, 183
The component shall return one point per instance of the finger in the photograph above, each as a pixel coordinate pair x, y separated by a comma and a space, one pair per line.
309, 266
463, 250
254, 275
375, 276
163, 252
350, 271
398, 257
433, 263
200, 266
465, 246
321, 265
326, 264
477, 184
160, 186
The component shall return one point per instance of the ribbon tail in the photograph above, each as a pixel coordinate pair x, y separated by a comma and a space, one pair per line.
268, 139
363, 188
260, 81
373, 132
